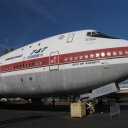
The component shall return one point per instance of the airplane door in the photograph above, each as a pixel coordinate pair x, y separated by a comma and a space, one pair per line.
54, 61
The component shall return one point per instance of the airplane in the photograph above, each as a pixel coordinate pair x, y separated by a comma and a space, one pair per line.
66, 64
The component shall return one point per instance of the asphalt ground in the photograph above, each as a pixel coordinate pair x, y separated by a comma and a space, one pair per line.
28, 115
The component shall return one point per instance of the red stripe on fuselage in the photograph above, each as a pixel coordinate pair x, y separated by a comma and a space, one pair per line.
67, 58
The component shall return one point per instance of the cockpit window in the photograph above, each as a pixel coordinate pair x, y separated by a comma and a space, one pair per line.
89, 34
100, 35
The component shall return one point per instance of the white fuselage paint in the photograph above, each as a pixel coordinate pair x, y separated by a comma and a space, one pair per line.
59, 77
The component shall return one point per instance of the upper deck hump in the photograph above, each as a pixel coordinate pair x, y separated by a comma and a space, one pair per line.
35, 49
70, 42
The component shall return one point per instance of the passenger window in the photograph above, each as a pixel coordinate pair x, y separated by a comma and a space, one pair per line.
40, 62
97, 54
91, 55
108, 53
120, 52
102, 54
65, 59
36, 63
86, 56
114, 53
52, 61
76, 58
71, 58
126, 52
81, 57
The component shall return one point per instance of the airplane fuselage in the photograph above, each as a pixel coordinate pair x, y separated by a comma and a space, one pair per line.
70, 63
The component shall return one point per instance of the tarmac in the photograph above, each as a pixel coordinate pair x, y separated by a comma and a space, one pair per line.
28, 115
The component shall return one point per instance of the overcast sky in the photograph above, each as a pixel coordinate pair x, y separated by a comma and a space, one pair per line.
25, 21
